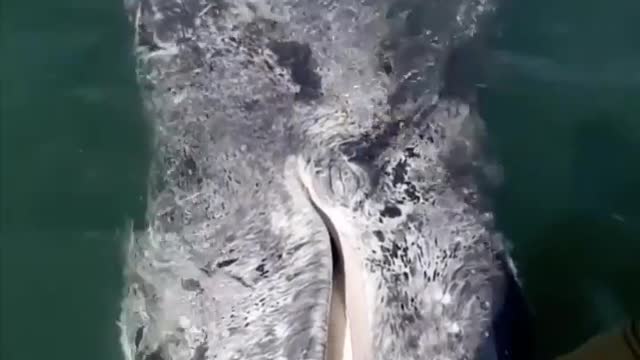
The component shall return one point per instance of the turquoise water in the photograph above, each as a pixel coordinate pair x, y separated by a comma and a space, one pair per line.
561, 105
74, 152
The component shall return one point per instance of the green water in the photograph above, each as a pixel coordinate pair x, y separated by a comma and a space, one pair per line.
74, 152
561, 105
562, 108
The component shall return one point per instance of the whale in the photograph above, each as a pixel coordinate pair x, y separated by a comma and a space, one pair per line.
314, 193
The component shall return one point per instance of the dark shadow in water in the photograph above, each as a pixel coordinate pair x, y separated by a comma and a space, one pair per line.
569, 141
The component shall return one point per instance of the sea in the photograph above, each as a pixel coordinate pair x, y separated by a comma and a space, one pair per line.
560, 95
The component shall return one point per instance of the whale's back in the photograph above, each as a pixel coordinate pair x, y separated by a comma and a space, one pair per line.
236, 262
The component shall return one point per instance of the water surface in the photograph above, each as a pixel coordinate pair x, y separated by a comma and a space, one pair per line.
560, 99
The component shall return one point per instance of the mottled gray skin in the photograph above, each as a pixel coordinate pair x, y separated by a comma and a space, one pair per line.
435, 273
269, 112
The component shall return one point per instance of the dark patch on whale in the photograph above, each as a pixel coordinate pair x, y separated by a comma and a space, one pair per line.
155, 355
391, 211
298, 59
200, 352
139, 333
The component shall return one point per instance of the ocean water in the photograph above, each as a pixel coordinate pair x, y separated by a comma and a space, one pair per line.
559, 94
561, 108
74, 157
